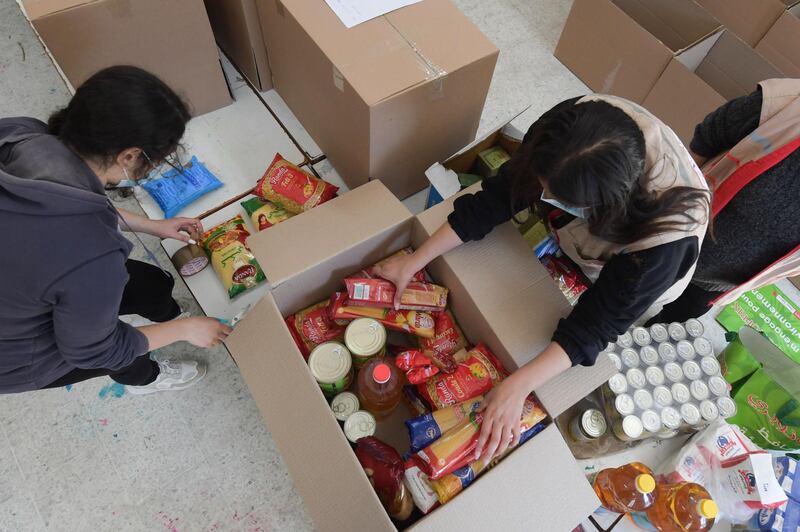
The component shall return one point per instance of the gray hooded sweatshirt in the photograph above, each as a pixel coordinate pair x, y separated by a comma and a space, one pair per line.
62, 264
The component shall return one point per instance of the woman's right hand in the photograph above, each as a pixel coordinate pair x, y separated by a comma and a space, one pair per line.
398, 270
204, 332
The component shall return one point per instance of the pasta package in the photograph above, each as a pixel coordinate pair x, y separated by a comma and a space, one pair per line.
427, 428
380, 293
370, 272
448, 338
264, 214
225, 245
475, 375
313, 326
414, 322
417, 367
288, 186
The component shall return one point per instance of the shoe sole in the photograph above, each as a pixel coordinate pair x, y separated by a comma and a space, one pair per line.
200, 376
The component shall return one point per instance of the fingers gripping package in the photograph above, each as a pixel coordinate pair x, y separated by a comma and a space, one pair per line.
225, 245
176, 189
265, 214
371, 272
313, 326
286, 185
380, 293
410, 321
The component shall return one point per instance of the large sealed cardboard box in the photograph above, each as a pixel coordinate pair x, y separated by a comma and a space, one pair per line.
781, 44
172, 40
384, 99
622, 46
748, 19
499, 294
718, 69
238, 33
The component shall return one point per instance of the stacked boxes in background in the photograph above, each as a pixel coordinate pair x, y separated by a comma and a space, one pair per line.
781, 44
748, 19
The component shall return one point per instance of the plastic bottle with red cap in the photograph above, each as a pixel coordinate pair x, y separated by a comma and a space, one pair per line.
380, 387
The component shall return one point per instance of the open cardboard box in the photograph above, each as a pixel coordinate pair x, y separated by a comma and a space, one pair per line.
781, 44
499, 294
702, 78
621, 47
748, 19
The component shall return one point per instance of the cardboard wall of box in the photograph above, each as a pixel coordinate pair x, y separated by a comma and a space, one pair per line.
781, 44
387, 98
238, 32
748, 19
499, 294
173, 40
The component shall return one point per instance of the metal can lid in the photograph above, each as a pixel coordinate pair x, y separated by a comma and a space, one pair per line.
681, 393
343, 405
359, 425
632, 426
624, 404
709, 410
694, 328
625, 340
636, 378
330, 362
630, 357
649, 355
593, 423
726, 406
670, 418
667, 352
365, 337
662, 396
618, 383
654, 376
690, 414
641, 336
615, 360
718, 386
692, 370
685, 350
643, 399
651, 421
676, 332
710, 366
659, 333
673, 371
703, 347
699, 390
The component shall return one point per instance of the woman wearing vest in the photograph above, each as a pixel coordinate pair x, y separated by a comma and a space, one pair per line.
626, 202
750, 150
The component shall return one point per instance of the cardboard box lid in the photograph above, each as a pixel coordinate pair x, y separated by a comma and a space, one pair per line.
781, 44
392, 53
41, 8
749, 19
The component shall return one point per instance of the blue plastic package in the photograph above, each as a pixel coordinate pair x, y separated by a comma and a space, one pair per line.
175, 190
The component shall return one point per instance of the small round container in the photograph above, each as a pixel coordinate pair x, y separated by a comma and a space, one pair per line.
681, 393
673, 372
642, 399
662, 396
365, 338
630, 358
685, 350
588, 425
628, 428
651, 421
709, 411
649, 355
360, 424
690, 414
718, 386
667, 352
625, 340
676, 332
692, 370
699, 390
710, 366
694, 328
344, 405
654, 376
666, 434
659, 333
618, 383
703, 347
615, 360
636, 378
624, 404
332, 367
726, 407
640, 336
670, 418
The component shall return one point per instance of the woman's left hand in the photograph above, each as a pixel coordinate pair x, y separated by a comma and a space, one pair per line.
181, 229
502, 410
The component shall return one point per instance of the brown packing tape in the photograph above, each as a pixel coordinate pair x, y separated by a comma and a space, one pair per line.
189, 260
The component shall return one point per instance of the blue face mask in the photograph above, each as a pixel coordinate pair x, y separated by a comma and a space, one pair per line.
578, 212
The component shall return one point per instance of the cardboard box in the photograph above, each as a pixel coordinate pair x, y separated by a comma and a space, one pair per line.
781, 44
238, 32
702, 78
387, 98
539, 486
621, 47
172, 40
749, 19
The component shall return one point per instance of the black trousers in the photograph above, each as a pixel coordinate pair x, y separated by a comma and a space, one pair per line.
149, 294
693, 303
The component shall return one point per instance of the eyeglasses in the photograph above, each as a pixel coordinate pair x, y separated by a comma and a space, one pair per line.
170, 162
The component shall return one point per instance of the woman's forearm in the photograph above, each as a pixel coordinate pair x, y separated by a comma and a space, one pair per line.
163, 334
442, 241
550, 362
135, 222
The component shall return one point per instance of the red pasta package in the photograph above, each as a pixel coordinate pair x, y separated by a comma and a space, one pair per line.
410, 321
418, 367
370, 271
287, 185
475, 375
448, 338
313, 326
380, 293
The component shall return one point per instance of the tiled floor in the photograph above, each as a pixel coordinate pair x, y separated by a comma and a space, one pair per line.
92, 457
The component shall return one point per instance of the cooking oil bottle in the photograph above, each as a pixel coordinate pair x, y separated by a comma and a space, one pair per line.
681, 507
629, 488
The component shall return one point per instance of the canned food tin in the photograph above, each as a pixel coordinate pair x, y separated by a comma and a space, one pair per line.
649, 355
640, 336
625, 340
628, 428
615, 360
654, 376
365, 338
699, 390
671, 418
636, 378
709, 411
667, 434
694, 328
690, 414
662, 396
681, 393
588, 425
332, 367
618, 383
676, 332
673, 372
667, 352
659, 333
718, 386
692, 370
685, 350
624, 404
630, 358
651, 421
344, 405
726, 406
703, 347
710, 366
359, 425
642, 399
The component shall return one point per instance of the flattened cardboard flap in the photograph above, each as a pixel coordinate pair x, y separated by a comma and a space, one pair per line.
781, 44
749, 19
41, 8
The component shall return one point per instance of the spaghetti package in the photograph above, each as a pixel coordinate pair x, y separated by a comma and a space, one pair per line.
264, 214
410, 321
427, 428
417, 367
448, 338
371, 273
286, 185
313, 326
231, 258
475, 375
380, 293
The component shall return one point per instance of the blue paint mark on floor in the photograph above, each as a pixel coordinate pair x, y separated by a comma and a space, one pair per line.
68, 387
116, 389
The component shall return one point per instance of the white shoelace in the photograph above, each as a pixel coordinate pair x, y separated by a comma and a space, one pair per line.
170, 368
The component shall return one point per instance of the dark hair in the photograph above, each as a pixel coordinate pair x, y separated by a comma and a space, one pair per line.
122, 107
592, 154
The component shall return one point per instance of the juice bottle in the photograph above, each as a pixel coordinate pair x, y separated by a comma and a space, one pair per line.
629, 488
685, 507
380, 387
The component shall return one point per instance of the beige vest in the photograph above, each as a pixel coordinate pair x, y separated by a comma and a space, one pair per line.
668, 164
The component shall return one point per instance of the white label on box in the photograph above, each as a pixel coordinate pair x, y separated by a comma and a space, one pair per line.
354, 12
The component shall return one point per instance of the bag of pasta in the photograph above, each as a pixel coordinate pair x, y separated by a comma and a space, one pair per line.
265, 214
287, 185
237, 268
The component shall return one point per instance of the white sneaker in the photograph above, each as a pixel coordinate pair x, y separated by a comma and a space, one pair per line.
174, 376
134, 320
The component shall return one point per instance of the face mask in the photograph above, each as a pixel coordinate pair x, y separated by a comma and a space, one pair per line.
127, 182
578, 212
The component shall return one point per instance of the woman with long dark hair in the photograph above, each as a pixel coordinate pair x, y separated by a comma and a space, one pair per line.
627, 204
65, 266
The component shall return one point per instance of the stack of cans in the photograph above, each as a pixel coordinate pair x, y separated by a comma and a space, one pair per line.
668, 380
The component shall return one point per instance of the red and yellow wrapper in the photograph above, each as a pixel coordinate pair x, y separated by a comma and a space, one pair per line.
447, 338
313, 326
417, 367
475, 374
285, 184
414, 322
380, 293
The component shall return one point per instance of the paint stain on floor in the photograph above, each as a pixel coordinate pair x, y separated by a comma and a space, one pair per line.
115, 390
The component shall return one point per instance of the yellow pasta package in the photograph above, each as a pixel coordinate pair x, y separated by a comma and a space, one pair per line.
231, 258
